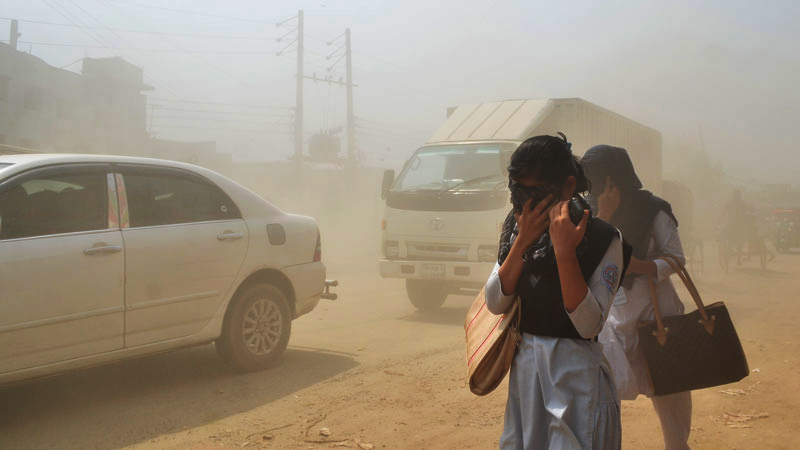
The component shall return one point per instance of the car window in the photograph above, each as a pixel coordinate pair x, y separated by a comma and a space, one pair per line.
53, 203
172, 197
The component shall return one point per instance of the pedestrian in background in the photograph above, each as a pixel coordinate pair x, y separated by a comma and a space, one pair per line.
648, 224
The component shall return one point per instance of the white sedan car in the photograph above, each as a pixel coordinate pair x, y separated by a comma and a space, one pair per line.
104, 258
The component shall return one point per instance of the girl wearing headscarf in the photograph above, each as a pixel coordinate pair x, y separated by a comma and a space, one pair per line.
648, 224
561, 392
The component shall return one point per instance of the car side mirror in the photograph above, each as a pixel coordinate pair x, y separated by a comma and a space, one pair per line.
388, 181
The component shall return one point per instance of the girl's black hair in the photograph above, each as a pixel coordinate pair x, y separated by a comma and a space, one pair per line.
548, 158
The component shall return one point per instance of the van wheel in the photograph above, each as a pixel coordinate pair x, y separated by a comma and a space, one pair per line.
256, 329
426, 295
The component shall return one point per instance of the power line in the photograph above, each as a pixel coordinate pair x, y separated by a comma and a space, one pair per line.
213, 111
193, 13
71, 18
63, 12
223, 124
159, 127
206, 120
148, 50
189, 100
213, 66
154, 32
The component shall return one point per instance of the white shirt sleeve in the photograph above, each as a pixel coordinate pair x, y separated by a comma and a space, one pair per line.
590, 315
667, 242
496, 301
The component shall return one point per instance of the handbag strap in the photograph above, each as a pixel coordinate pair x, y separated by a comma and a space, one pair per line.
661, 331
516, 321
683, 274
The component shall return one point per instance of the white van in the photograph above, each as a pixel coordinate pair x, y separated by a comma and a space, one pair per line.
445, 209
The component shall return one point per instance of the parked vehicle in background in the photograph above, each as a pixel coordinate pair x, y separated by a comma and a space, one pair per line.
445, 209
787, 229
104, 258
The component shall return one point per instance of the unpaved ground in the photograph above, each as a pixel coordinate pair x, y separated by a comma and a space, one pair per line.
377, 374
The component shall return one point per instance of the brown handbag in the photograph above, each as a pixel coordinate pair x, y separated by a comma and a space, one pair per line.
491, 343
697, 350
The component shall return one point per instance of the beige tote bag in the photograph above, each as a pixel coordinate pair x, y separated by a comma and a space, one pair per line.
491, 343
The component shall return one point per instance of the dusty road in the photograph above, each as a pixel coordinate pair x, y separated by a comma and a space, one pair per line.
376, 374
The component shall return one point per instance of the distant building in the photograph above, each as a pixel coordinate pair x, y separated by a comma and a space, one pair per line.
101, 110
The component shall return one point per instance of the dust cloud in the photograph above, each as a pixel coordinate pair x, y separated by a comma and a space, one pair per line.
216, 85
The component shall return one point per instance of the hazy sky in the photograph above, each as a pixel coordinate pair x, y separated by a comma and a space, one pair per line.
726, 70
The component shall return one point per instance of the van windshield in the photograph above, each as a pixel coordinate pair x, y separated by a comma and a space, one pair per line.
456, 167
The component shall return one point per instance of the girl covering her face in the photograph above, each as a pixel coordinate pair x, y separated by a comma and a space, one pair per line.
561, 393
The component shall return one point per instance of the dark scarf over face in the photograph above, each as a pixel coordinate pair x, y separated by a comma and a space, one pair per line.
638, 208
540, 258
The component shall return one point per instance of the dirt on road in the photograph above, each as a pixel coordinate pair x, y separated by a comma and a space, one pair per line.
369, 372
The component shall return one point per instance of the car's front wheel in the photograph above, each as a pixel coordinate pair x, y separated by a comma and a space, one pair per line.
256, 329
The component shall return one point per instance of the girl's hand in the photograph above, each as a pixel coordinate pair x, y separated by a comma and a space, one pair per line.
608, 201
533, 223
565, 235
643, 266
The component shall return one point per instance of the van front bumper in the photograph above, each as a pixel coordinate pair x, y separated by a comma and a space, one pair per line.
468, 273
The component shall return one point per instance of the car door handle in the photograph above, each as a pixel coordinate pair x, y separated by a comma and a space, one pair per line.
229, 236
102, 249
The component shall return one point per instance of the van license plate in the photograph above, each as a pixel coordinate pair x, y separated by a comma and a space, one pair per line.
433, 270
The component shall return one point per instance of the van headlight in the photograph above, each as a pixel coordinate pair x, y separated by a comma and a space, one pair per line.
391, 249
487, 253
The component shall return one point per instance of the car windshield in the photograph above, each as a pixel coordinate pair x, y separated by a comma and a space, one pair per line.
456, 167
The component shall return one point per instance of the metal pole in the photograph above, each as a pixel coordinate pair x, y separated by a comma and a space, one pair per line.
351, 126
298, 112
12, 40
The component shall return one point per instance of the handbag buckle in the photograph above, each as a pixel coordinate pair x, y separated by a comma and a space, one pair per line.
708, 324
661, 336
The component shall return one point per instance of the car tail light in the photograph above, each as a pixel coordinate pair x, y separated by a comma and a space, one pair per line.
318, 249
383, 224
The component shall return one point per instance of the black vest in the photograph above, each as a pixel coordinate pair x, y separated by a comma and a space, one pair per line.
543, 312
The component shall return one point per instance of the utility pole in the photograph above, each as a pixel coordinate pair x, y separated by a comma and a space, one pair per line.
352, 156
351, 126
298, 111
12, 40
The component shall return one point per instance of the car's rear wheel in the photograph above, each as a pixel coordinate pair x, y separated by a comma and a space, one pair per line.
426, 295
256, 329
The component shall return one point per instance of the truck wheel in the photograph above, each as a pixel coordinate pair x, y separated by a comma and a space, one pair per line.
426, 295
256, 328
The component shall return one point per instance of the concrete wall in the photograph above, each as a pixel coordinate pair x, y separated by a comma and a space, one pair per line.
101, 110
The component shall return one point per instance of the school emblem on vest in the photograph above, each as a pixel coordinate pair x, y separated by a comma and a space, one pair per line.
611, 276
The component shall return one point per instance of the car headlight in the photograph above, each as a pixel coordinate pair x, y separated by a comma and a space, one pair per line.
391, 249
487, 253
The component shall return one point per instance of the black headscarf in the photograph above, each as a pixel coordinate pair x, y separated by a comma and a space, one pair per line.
638, 207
